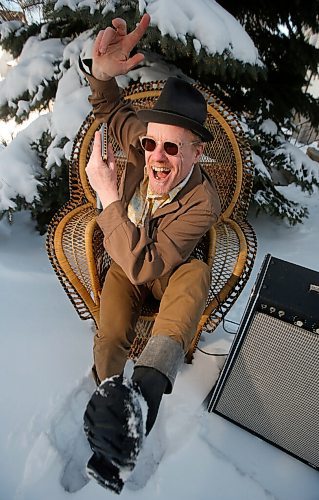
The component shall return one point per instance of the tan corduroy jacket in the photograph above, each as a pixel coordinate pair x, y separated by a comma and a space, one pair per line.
170, 235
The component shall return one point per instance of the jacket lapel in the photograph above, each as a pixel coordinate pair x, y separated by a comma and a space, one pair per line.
132, 176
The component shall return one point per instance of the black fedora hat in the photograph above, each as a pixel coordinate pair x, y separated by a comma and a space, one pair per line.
179, 104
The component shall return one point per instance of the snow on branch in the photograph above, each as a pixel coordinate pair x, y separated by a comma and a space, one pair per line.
91, 4
299, 164
5, 61
212, 27
8, 27
38, 65
19, 164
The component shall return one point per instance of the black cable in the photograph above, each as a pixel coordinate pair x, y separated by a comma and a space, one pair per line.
212, 353
234, 322
224, 319
227, 331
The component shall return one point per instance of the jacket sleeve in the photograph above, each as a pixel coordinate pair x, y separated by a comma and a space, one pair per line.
144, 258
109, 107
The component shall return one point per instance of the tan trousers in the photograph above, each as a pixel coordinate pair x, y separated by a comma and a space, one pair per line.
182, 302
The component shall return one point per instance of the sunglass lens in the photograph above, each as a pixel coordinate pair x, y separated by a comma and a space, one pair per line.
148, 144
171, 148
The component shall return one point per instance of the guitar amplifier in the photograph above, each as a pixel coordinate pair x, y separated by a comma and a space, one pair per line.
269, 384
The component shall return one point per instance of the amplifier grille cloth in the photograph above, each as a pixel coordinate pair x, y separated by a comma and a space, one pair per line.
273, 386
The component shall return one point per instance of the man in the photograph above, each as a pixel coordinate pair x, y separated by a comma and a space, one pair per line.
151, 226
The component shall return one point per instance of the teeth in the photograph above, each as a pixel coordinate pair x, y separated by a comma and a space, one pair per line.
161, 169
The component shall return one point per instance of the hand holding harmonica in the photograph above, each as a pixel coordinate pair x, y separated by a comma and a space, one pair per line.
101, 172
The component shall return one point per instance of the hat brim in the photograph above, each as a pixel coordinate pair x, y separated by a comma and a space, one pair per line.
152, 115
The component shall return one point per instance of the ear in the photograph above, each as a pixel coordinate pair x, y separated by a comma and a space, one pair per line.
199, 151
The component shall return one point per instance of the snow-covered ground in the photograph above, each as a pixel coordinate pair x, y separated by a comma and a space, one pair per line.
45, 359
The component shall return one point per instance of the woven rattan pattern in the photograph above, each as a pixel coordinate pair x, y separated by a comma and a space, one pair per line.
230, 248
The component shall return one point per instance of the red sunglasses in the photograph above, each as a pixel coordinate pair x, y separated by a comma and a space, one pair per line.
171, 148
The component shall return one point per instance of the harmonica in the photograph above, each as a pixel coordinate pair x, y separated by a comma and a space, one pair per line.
104, 141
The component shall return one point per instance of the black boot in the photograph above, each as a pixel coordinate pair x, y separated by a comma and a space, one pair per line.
105, 473
113, 424
152, 385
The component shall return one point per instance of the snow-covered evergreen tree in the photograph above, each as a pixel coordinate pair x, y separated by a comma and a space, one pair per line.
198, 39
281, 31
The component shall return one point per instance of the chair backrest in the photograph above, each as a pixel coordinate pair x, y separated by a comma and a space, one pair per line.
226, 159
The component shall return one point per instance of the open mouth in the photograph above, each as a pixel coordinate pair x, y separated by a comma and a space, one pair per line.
160, 173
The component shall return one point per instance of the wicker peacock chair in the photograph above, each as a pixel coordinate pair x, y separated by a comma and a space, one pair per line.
75, 242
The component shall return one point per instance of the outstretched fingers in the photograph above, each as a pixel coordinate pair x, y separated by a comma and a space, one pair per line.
97, 42
109, 35
135, 36
132, 62
115, 43
120, 26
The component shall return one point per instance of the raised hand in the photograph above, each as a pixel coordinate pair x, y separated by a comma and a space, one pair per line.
112, 48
